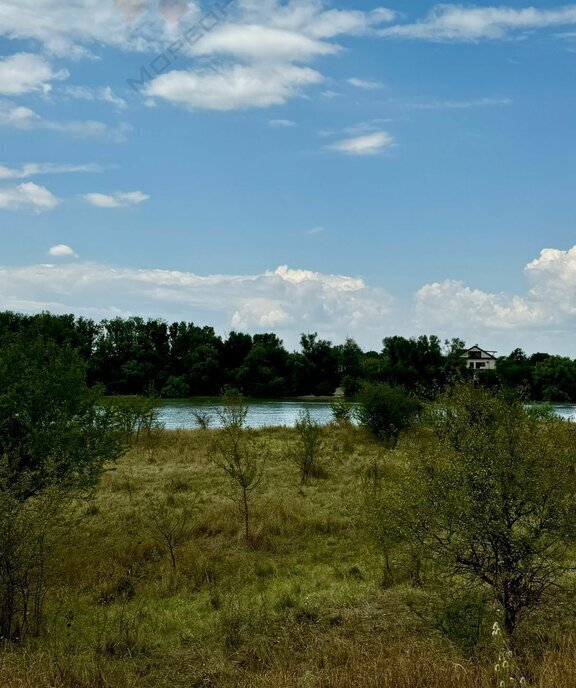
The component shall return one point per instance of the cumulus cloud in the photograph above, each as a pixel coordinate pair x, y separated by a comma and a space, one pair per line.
62, 251
233, 87
457, 23
18, 117
118, 199
548, 306
33, 169
28, 195
286, 300
290, 301
370, 144
25, 73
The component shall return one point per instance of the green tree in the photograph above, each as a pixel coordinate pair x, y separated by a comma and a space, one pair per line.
555, 379
386, 411
53, 431
54, 441
307, 448
491, 498
238, 454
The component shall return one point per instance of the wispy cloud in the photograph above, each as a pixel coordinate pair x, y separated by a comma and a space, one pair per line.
102, 93
281, 123
370, 144
118, 199
18, 117
460, 104
365, 84
34, 169
457, 23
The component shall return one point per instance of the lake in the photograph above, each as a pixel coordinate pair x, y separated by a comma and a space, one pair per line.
177, 414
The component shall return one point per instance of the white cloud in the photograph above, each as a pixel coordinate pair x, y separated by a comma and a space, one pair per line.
33, 169
370, 144
267, 45
365, 84
290, 301
257, 42
25, 73
62, 251
17, 117
234, 87
27, 195
461, 104
285, 300
547, 310
103, 93
72, 28
118, 199
457, 23
282, 123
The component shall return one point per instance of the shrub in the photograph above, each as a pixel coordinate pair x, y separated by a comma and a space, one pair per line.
308, 446
386, 411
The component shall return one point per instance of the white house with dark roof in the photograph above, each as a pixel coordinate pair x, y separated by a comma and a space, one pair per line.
478, 359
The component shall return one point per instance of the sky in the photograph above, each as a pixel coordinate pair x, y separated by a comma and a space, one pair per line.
295, 166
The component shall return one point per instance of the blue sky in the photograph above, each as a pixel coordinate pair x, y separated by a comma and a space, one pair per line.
350, 168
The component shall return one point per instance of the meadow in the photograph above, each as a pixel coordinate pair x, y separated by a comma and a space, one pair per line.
308, 602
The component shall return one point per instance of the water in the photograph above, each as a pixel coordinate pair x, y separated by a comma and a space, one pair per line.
567, 411
177, 414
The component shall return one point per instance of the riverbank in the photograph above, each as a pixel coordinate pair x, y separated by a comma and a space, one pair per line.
307, 604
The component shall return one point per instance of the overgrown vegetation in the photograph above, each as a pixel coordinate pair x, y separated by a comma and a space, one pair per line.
390, 572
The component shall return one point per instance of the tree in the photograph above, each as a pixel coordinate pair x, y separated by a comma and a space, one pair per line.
54, 441
53, 431
386, 411
308, 446
236, 452
555, 379
316, 368
491, 497
171, 525
416, 364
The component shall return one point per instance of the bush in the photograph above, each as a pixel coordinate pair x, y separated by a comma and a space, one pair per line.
306, 450
386, 411
491, 498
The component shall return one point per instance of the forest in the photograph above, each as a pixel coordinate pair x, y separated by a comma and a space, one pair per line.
137, 356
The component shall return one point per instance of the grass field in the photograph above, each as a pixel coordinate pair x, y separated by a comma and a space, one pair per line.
307, 603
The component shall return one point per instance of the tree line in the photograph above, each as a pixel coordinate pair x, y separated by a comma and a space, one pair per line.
135, 356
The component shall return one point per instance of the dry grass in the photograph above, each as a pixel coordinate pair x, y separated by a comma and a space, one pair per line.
304, 606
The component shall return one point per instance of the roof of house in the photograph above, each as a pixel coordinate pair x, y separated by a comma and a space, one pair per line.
490, 354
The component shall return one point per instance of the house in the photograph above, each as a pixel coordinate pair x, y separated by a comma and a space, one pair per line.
479, 359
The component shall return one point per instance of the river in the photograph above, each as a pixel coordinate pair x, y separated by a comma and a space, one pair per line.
178, 414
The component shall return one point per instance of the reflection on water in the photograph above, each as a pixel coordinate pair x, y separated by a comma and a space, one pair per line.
176, 414
179, 414
567, 411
